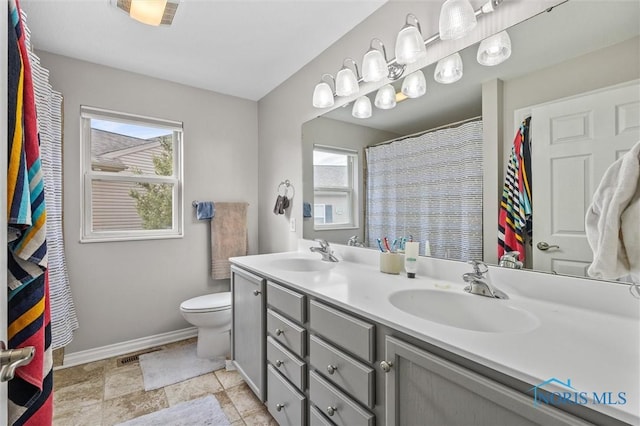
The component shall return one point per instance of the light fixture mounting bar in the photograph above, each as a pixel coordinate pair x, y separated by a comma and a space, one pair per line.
396, 70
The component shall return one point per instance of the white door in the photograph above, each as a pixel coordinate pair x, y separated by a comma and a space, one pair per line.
574, 141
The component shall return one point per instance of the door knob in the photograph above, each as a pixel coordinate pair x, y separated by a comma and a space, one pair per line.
279, 407
256, 292
544, 246
386, 366
10, 359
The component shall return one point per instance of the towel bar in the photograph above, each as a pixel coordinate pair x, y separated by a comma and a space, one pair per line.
287, 184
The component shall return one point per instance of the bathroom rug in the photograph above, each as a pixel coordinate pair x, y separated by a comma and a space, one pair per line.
174, 365
202, 411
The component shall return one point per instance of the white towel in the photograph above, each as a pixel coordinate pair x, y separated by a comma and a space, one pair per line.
613, 220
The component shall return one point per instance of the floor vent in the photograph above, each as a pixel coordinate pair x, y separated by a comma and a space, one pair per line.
129, 359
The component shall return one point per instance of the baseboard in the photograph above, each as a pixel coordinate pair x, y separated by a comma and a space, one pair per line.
97, 354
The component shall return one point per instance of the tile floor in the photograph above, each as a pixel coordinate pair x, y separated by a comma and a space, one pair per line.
103, 393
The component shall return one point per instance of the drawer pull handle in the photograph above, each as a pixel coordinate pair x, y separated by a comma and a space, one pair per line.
386, 366
331, 369
256, 292
279, 332
331, 411
279, 407
279, 363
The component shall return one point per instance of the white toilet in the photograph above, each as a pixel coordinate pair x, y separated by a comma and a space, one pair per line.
211, 313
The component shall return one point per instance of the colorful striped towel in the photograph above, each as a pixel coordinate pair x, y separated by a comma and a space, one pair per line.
30, 392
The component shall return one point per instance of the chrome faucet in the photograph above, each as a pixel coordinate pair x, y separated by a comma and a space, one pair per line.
353, 242
510, 260
325, 250
479, 283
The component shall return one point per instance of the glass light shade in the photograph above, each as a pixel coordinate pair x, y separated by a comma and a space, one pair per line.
409, 45
457, 18
495, 49
322, 95
362, 107
386, 97
414, 85
374, 66
148, 12
346, 82
449, 69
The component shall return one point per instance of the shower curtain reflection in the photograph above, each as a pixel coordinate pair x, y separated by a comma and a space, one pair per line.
406, 195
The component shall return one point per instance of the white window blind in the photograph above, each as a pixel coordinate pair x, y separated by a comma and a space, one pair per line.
429, 187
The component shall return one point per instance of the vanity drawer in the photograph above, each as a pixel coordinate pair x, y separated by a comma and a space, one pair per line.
316, 418
285, 403
351, 333
353, 376
286, 332
341, 409
286, 363
287, 302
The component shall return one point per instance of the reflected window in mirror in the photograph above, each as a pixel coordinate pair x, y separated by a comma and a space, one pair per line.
335, 177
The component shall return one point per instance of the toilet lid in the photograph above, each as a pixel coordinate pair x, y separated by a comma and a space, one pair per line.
208, 302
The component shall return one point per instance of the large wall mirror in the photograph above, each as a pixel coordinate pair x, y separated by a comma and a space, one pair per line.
573, 50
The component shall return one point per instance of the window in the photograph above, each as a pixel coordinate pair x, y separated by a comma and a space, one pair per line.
132, 176
334, 188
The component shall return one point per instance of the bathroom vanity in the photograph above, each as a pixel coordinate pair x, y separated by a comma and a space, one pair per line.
325, 343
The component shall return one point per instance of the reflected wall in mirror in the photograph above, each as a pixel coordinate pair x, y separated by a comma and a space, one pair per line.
576, 48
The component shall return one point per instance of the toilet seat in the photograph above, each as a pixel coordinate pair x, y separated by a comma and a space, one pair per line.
208, 303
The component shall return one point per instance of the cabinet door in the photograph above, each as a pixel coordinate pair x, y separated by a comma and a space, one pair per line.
421, 388
248, 329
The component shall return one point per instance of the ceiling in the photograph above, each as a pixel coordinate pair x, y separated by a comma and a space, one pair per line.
243, 48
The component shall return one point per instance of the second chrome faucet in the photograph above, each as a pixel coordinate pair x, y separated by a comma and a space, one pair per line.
325, 250
479, 283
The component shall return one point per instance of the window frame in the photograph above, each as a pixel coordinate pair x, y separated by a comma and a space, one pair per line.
351, 189
88, 176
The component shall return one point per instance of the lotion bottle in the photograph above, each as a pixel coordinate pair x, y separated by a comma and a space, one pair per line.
411, 258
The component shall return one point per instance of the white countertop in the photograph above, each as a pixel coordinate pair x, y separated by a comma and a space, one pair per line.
588, 332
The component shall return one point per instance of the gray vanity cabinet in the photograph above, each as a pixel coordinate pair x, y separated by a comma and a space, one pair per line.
341, 378
422, 388
317, 364
248, 329
286, 349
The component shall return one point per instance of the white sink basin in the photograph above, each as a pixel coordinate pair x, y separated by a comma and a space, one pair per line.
467, 311
302, 264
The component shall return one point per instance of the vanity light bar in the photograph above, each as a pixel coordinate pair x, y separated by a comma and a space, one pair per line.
396, 70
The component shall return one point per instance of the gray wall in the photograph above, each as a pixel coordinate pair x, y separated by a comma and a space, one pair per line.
283, 111
128, 290
328, 132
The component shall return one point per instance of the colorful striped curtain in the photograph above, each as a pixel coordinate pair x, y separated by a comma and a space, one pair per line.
30, 392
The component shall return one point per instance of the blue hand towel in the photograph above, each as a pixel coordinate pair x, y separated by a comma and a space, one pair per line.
205, 210
306, 209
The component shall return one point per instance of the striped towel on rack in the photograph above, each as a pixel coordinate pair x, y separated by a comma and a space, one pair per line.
30, 392
515, 205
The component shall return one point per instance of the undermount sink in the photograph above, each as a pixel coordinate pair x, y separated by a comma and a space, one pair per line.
303, 264
462, 310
